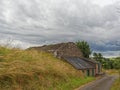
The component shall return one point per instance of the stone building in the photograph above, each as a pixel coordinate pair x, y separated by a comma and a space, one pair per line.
73, 55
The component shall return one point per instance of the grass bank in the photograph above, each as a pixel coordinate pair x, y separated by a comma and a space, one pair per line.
112, 71
32, 70
116, 85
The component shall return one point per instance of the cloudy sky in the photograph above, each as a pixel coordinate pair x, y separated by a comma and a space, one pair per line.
25, 23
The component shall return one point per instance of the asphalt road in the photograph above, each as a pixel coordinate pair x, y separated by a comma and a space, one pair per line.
104, 83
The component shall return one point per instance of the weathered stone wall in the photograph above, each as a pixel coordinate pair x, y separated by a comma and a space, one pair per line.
69, 50
62, 50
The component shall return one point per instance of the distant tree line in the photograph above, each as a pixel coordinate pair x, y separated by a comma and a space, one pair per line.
107, 63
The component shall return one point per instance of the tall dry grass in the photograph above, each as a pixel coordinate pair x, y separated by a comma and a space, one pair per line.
32, 70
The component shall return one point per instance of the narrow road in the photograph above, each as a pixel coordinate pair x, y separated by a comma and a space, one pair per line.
102, 84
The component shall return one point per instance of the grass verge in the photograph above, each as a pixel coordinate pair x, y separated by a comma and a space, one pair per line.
116, 85
112, 72
74, 83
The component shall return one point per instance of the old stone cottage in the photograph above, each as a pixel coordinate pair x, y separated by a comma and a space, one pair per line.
71, 54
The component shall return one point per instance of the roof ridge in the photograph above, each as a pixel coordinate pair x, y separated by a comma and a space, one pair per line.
61, 46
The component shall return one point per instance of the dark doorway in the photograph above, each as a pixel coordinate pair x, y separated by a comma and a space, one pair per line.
99, 68
88, 72
93, 72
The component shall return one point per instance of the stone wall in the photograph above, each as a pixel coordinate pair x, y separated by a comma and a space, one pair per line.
69, 50
62, 50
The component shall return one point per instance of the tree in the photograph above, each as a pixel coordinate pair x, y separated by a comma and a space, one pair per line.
116, 63
95, 56
84, 47
98, 57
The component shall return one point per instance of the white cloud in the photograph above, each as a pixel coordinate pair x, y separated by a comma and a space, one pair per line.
103, 3
111, 54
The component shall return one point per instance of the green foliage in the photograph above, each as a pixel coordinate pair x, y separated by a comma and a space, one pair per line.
116, 63
98, 57
113, 63
107, 63
84, 47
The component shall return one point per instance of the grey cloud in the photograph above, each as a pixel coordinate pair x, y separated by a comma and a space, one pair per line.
49, 21
111, 53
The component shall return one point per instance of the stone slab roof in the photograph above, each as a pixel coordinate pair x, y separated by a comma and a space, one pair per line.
79, 63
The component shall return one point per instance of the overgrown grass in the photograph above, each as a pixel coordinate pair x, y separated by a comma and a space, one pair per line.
112, 72
116, 85
32, 70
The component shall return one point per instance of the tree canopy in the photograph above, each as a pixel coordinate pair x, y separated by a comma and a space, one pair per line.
97, 56
84, 47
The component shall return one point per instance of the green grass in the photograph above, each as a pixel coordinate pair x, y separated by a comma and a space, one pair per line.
32, 70
116, 85
74, 83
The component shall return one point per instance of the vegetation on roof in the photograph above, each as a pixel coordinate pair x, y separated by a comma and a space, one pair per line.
84, 47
